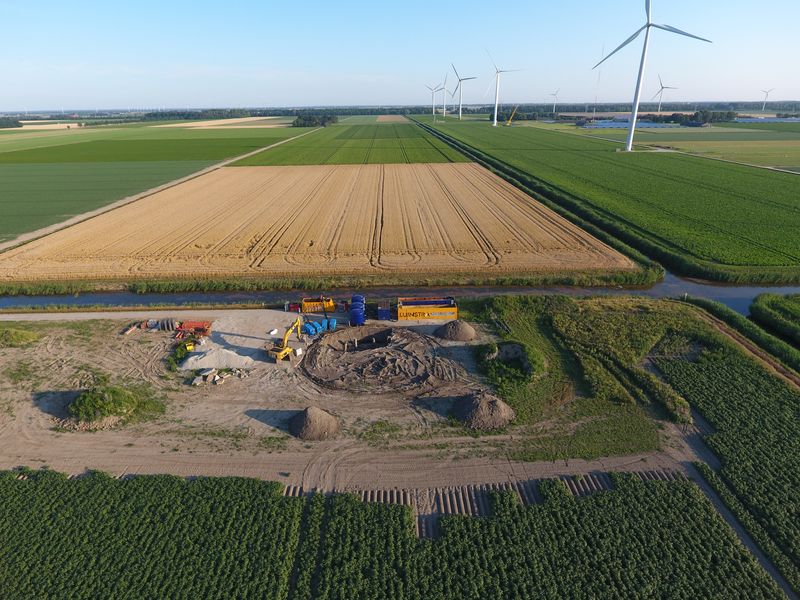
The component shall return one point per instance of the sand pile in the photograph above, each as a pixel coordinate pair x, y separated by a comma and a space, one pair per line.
217, 358
484, 411
378, 359
314, 424
456, 331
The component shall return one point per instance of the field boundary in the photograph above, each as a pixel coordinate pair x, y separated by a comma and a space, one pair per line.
40, 233
625, 235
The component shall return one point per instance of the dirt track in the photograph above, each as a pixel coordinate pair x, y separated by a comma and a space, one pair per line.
316, 221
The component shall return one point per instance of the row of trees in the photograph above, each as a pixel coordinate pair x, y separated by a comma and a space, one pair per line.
9, 122
315, 120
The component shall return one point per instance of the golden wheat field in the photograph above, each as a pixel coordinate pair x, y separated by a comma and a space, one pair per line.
319, 221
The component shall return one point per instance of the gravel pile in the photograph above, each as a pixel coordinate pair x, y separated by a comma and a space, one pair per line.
483, 411
456, 331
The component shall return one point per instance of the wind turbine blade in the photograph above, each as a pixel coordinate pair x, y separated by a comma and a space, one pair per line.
679, 32
468, 78
455, 89
489, 87
657, 94
491, 59
510, 71
455, 71
647, 8
661, 83
622, 45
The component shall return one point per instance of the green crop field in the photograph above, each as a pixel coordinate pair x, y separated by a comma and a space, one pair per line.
49, 176
767, 147
699, 217
163, 537
360, 144
780, 314
589, 360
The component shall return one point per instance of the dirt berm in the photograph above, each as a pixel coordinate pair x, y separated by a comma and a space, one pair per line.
483, 411
379, 359
314, 425
456, 331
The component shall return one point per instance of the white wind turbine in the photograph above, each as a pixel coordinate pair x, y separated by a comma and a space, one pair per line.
660, 92
647, 28
555, 100
433, 90
444, 97
497, 73
766, 98
460, 89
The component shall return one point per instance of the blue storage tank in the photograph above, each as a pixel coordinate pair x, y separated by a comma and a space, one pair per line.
332, 324
358, 298
357, 315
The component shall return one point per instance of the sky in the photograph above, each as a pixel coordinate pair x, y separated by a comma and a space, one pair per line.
89, 54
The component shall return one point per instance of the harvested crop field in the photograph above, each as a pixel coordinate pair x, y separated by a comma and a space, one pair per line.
320, 221
391, 119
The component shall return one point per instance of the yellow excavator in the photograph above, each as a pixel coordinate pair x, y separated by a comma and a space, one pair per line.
282, 350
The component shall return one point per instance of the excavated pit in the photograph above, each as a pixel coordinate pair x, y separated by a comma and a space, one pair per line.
379, 359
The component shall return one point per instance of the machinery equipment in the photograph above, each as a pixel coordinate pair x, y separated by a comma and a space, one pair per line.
513, 114
282, 350
322, 304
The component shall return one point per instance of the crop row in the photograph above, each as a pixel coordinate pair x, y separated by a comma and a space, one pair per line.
780, 314
161, 537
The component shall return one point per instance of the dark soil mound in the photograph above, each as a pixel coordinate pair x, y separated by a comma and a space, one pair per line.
314, 424
456, 331
483, 411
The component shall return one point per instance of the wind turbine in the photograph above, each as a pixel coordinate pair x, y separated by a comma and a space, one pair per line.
660, 93
555, 100
497, 73
460, 88
766, 98
433, 100
647, 28
444, 97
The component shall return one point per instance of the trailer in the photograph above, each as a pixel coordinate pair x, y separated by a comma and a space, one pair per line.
412, 309
317, 305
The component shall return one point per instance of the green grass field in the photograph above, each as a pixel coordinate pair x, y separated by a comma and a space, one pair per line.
48, 177
383, 143
774, 145
700, 217
163, 537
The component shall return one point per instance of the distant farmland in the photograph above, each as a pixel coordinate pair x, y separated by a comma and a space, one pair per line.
383, 143
47, 177
699, 217
318, 221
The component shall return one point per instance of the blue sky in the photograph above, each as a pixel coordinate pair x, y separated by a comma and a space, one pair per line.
88, 54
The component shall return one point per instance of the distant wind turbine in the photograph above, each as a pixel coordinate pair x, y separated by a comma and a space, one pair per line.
433, 90
555, 100
766, 98
444, 97
660, 92
497, 72
460, 89
647, 28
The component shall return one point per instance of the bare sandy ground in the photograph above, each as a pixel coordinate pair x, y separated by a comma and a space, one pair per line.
216, 123
34, 126
319, 220
392, 119
221, 430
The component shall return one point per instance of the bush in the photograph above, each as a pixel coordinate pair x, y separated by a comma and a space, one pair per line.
16, 338
131, 404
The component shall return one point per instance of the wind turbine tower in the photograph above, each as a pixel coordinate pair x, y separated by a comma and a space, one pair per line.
766, 98
497, 72
460, 89
555, 101
660, 92
647, 28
